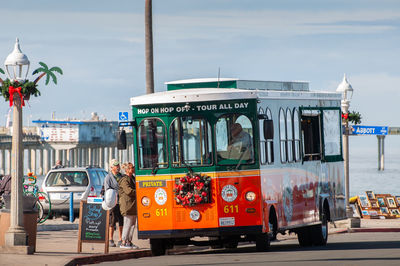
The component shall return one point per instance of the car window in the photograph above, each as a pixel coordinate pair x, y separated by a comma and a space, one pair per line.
102, 175
70, 178
95, 178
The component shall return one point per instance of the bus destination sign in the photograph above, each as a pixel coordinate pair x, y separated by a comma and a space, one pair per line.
194, 108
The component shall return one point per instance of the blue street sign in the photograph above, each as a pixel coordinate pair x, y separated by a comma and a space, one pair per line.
369, 130
123, 116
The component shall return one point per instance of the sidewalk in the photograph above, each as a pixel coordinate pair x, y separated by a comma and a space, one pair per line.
60, 247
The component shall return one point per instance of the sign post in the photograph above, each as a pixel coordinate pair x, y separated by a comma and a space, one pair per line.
93, 223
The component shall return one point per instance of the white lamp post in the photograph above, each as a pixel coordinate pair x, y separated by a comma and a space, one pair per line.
15, 65
347, 93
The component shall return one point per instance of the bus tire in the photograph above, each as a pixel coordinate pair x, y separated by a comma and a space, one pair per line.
320, 232
262, 242
231, 244
304, 235
214, 245
157, 247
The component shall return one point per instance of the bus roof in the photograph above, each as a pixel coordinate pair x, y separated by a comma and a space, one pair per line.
235, 83
221, 94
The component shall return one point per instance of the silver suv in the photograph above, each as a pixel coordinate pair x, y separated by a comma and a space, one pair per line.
82, 181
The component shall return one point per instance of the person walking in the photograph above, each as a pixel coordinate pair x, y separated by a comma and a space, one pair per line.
111, 182
127, 203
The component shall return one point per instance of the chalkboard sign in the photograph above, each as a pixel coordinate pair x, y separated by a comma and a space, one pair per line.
93, 224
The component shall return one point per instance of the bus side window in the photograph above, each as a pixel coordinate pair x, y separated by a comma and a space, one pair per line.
266, 137
263, 141
311, 128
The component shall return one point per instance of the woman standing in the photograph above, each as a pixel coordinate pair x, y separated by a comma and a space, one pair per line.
127, 203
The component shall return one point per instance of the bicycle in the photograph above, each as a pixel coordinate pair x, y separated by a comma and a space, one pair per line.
33, 190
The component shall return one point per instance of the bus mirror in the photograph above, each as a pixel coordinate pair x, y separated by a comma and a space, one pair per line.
121, 139
268, 129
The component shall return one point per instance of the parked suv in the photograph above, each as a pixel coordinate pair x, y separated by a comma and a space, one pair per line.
82, 181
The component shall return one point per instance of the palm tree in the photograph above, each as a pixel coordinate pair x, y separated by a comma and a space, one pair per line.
48, 72
148, 24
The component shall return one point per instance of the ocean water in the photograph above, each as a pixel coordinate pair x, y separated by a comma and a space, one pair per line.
364, 174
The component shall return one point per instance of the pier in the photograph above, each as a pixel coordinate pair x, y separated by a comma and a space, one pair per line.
74, 143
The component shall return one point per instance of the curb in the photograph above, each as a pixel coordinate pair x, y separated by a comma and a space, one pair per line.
57, 227
93, 259
367, 230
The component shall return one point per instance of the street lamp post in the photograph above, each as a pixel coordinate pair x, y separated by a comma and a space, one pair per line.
347, 93
15, 65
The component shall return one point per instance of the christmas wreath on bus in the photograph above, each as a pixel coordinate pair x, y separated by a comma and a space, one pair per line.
192, 189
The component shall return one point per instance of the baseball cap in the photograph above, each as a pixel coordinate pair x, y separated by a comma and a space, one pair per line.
114, 162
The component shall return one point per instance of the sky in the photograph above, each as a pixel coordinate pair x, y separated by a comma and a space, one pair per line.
100, 47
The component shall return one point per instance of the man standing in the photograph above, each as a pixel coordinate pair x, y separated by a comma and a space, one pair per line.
111, 182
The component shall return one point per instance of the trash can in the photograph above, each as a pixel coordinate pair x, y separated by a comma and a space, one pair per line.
30, 219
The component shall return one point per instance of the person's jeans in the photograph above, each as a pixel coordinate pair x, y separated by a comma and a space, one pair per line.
129, 227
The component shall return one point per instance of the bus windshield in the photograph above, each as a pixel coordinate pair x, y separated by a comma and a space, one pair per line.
190, 142
151, 139
234, 139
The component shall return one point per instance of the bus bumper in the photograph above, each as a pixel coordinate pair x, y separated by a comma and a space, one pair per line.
188, 233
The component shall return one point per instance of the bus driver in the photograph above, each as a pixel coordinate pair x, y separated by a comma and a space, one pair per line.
241, 146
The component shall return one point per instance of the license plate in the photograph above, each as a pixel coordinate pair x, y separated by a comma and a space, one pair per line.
64, 196
227, 221
59, 196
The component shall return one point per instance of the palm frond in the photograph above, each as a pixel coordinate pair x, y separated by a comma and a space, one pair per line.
56, 69
38, 70
44, 66
53, 77
2, 71
47, 78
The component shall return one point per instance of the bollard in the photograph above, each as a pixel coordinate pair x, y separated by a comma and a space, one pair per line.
71, 207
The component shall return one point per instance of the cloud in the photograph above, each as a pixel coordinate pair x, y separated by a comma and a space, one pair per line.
277, 23
376, 97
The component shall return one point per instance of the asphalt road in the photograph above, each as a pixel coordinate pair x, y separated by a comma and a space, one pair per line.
342, 249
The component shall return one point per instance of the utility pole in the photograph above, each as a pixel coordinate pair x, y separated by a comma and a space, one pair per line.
148, 23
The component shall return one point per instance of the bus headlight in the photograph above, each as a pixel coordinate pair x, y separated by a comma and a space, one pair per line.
250, 196
145, 201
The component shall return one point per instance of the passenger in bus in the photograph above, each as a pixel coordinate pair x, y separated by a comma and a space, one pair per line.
241, 146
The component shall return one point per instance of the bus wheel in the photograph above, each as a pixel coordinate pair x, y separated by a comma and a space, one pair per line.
320, 232
157, 247
262, 242
214, 239
231, 244
304, 235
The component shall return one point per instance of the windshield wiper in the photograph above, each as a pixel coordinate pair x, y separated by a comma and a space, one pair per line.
240, 159
188, 167
155, 169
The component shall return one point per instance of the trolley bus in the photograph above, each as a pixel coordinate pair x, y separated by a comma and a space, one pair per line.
231, 160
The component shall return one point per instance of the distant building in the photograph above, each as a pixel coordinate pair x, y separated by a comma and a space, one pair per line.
77, 131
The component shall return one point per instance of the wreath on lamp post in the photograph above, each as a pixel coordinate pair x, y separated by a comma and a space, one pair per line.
352, 117
29, 88
192, 189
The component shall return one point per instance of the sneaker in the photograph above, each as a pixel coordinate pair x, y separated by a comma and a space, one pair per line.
126, 245
119, 243
134, 246
112, 244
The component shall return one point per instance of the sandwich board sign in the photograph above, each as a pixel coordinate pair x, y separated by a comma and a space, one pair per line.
93, 223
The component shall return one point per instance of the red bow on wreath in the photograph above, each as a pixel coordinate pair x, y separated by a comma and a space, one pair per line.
11, 91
